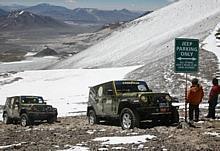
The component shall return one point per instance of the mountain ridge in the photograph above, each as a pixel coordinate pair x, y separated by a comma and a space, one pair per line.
22, 20
144, 38
83, 14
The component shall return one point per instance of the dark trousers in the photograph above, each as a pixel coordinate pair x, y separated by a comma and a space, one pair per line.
192, 109
212, 105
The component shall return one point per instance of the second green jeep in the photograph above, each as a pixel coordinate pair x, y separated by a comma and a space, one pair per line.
27, 109
131, 102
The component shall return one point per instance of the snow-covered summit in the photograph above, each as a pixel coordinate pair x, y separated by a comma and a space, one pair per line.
150, 37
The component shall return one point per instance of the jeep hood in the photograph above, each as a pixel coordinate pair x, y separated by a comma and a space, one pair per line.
136, 94
40, 105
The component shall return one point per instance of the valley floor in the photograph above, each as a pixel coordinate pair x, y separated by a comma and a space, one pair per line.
74, 133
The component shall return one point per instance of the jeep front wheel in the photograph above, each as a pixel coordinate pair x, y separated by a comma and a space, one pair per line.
92, 118
6, 119
52, 120
175, 116
128, 119
25, 121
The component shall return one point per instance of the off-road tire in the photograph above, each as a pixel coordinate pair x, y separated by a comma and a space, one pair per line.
175, 116
129, 119
92, 118
25, 120
52, 120
6, 119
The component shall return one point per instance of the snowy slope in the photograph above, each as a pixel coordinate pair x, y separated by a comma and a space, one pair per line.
212, 42
65, 89
151, 37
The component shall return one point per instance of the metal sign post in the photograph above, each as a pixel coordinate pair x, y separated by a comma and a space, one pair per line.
186, 100
186, 59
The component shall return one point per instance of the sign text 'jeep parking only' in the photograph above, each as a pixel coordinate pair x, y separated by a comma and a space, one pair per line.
186, 55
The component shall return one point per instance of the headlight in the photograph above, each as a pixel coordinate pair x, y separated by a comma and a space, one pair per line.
54, 109
143, 98
167, 97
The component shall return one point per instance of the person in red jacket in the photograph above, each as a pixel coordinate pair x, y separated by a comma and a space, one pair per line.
194, 98
213, 98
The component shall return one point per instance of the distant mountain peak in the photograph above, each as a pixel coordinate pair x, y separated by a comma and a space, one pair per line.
83, 15
46, 6
43, 4
20, 20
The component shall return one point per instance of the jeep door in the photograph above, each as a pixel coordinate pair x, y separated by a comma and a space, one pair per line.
108, 99
9, 106
15, 106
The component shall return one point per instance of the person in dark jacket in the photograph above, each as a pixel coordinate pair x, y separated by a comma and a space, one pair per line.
194, 98
213, 98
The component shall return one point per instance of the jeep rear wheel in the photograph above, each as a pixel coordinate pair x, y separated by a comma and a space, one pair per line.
128, 119
6, 119
25, 121
92, 118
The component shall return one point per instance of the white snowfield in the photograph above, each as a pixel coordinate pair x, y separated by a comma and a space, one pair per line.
66, 89
31, 63
211, 43
151, 37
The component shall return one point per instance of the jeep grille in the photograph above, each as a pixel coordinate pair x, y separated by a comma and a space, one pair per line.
42, 108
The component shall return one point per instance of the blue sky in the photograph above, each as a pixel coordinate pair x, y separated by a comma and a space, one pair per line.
100, 4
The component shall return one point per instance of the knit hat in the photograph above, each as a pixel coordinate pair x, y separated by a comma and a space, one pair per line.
195, 81
215, 81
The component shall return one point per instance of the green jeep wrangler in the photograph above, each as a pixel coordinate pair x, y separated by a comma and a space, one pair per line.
131, 102
27, 109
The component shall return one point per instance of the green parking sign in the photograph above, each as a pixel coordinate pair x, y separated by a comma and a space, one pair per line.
186, 55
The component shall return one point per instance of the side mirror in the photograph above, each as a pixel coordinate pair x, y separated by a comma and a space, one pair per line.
175, 99
109, 92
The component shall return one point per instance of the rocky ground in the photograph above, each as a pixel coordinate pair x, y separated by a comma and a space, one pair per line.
74, 133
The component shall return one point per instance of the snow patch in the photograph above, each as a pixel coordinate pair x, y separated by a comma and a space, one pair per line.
124, 139
91, 131
12, 146
119, 148
30, 54
212, 134
17, 62
76, 148
103, 149
21, 12
49, 57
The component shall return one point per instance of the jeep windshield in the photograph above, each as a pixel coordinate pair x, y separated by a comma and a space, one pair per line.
131, 86
32, 100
